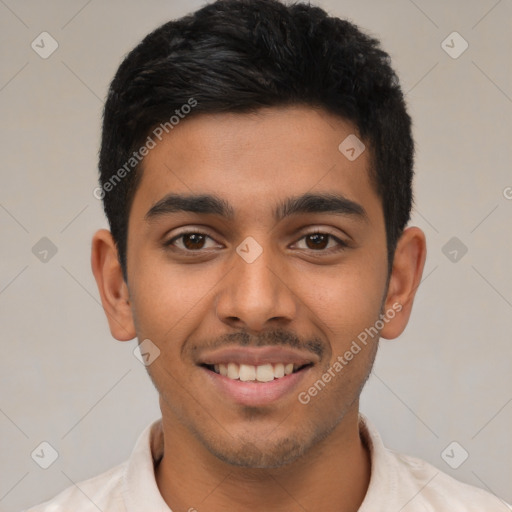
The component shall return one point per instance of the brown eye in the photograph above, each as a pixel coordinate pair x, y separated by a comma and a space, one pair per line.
318, 240
322, 242
191, 241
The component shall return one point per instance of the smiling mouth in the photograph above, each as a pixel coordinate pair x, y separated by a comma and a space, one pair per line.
251, 373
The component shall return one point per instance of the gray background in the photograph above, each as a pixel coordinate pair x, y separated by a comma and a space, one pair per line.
66, 381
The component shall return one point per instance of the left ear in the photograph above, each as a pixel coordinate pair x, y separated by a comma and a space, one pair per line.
408, 263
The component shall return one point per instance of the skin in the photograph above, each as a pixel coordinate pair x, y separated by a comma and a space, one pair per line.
284, 456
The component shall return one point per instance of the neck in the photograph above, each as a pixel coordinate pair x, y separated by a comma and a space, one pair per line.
332, 476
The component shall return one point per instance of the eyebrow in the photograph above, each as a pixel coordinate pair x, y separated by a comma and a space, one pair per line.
211, 204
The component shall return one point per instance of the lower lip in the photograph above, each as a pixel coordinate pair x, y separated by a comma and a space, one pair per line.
255, 393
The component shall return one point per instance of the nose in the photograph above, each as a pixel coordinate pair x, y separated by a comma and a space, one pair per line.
256, 295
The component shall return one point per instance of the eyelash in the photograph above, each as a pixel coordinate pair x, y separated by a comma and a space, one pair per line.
341, 244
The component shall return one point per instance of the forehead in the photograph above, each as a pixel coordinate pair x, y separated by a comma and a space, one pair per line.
255, 160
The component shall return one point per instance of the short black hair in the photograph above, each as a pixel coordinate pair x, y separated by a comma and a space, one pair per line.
243, 55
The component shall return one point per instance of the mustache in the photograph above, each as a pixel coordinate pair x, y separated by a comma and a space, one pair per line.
276, 337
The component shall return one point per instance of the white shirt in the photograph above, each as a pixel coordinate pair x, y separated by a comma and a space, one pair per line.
398, 483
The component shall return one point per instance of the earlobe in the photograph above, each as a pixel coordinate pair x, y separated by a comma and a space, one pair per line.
408, 264
111, 285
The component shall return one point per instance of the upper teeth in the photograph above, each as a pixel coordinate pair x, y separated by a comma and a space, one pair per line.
261, 373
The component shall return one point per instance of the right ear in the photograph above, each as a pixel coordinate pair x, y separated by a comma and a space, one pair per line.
112, 286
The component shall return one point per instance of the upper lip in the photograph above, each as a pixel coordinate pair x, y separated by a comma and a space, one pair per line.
257, 356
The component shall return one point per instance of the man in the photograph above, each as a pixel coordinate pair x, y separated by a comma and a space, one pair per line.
256, 170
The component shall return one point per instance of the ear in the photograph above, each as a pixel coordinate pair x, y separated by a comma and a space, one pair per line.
111, 285
408, 263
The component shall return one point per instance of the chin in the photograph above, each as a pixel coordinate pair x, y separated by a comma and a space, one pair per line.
259, 456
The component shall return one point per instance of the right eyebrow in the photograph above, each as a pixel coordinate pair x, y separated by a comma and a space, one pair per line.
203, 203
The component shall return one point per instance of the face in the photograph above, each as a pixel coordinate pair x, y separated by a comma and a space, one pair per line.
253, 279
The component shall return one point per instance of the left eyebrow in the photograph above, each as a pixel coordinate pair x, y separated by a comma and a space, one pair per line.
320, 203
211, 204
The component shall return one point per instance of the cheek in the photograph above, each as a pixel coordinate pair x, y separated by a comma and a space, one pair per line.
347, 299
167, 299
